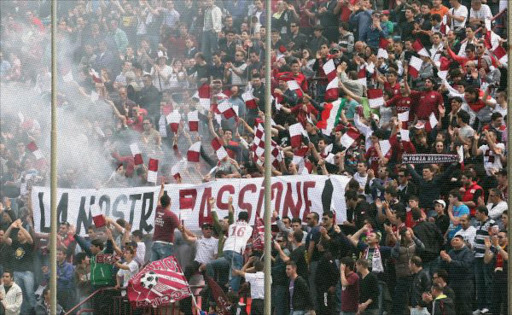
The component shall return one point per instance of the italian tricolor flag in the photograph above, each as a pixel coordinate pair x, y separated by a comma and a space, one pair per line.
331, 116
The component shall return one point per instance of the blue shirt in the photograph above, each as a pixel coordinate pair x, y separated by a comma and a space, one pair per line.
458, 211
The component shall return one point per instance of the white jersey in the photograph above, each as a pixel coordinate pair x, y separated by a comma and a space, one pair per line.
490, 159
207, 248
238, 235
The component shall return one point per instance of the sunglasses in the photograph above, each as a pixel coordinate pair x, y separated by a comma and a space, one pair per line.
207, 228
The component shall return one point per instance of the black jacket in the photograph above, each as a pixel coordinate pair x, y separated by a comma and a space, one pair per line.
431, 237
443, 305
460, 269
301, 297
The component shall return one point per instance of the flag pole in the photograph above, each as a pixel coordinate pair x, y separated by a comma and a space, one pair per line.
509, 145
268, 165
53, 165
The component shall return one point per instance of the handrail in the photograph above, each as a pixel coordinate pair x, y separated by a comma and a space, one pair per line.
108, 289
478, 30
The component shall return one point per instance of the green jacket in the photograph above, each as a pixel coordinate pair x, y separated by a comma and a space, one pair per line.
101, 272
218, 229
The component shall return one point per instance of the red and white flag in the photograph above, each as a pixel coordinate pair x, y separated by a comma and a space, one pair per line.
173, 119
349, 137
249, 100
193, 153
218, 147
152, 170
444, 66
160, 283
330, 70
226, 109
296, 131
178, 168
294, 86
420, 49
95, 76
375, 98
137, 154
331, 92
258, 234
444, 29
193, 120
432, 122
415, 66
383, 49
32, 147
361, 76
204, 94
501, 54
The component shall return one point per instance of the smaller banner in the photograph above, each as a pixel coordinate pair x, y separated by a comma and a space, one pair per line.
160, 283
429, 158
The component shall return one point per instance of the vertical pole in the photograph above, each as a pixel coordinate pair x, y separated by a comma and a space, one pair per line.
509, 146
53, 165
268, 165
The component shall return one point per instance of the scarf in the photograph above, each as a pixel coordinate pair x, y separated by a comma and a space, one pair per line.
377, 266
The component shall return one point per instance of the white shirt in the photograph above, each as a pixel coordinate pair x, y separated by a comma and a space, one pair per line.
257, 281
141, 253
238, 235
490, 159
483, 14
128, 274
361, 180
468, 235
207, 248
462, 11
495, 211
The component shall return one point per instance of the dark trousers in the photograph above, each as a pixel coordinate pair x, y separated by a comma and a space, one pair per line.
66, 298
401, 296
483, 275
186, 304
257, 307
326, 303
463, 295
102, 301
499, 294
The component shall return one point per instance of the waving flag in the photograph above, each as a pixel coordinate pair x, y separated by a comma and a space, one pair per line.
375, 98
178, 168
218, 147
418, 47
294, 86
137, 155
32, 147
221, 300
331, 92
193, 120
415, 66
501, 54
152, 170
330, 116
160, 283
296, 131
204, 94
383, 49
226, 109
173, 119
361, 76
330, 69
193, 153
249, 100
258, 234
349, 137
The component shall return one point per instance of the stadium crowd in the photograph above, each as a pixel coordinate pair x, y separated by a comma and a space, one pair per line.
364, 81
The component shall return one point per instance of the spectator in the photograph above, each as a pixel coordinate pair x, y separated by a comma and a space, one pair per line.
11, 295
44, 305
368, 289
165, 224
350, 284
298, 297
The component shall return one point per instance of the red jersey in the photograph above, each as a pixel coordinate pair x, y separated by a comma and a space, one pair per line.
425, 103
165, 223
373, 158
469, 195
395, 89
401, 103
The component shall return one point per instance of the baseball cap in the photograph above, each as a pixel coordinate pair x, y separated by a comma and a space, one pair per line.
441, 202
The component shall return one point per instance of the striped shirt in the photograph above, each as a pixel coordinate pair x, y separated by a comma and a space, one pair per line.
482, 231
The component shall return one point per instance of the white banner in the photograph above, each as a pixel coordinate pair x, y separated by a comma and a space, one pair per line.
292, 196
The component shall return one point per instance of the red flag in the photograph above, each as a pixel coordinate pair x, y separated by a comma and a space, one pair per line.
375, 98
221, 300
361, 76
258, 234
97, 216
173, 119
383, 49
193, 120
160, 283
501, 54
178, 168
32, 147
204, 94
194, 152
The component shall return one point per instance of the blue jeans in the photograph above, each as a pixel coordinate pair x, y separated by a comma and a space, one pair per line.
483, 275
279, 299
401, 296
233, 260
209, 44
25, 279
161, 250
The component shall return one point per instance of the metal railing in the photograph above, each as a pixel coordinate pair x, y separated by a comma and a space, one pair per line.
121, 306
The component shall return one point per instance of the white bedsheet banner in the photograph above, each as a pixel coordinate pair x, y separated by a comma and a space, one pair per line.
293, 196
